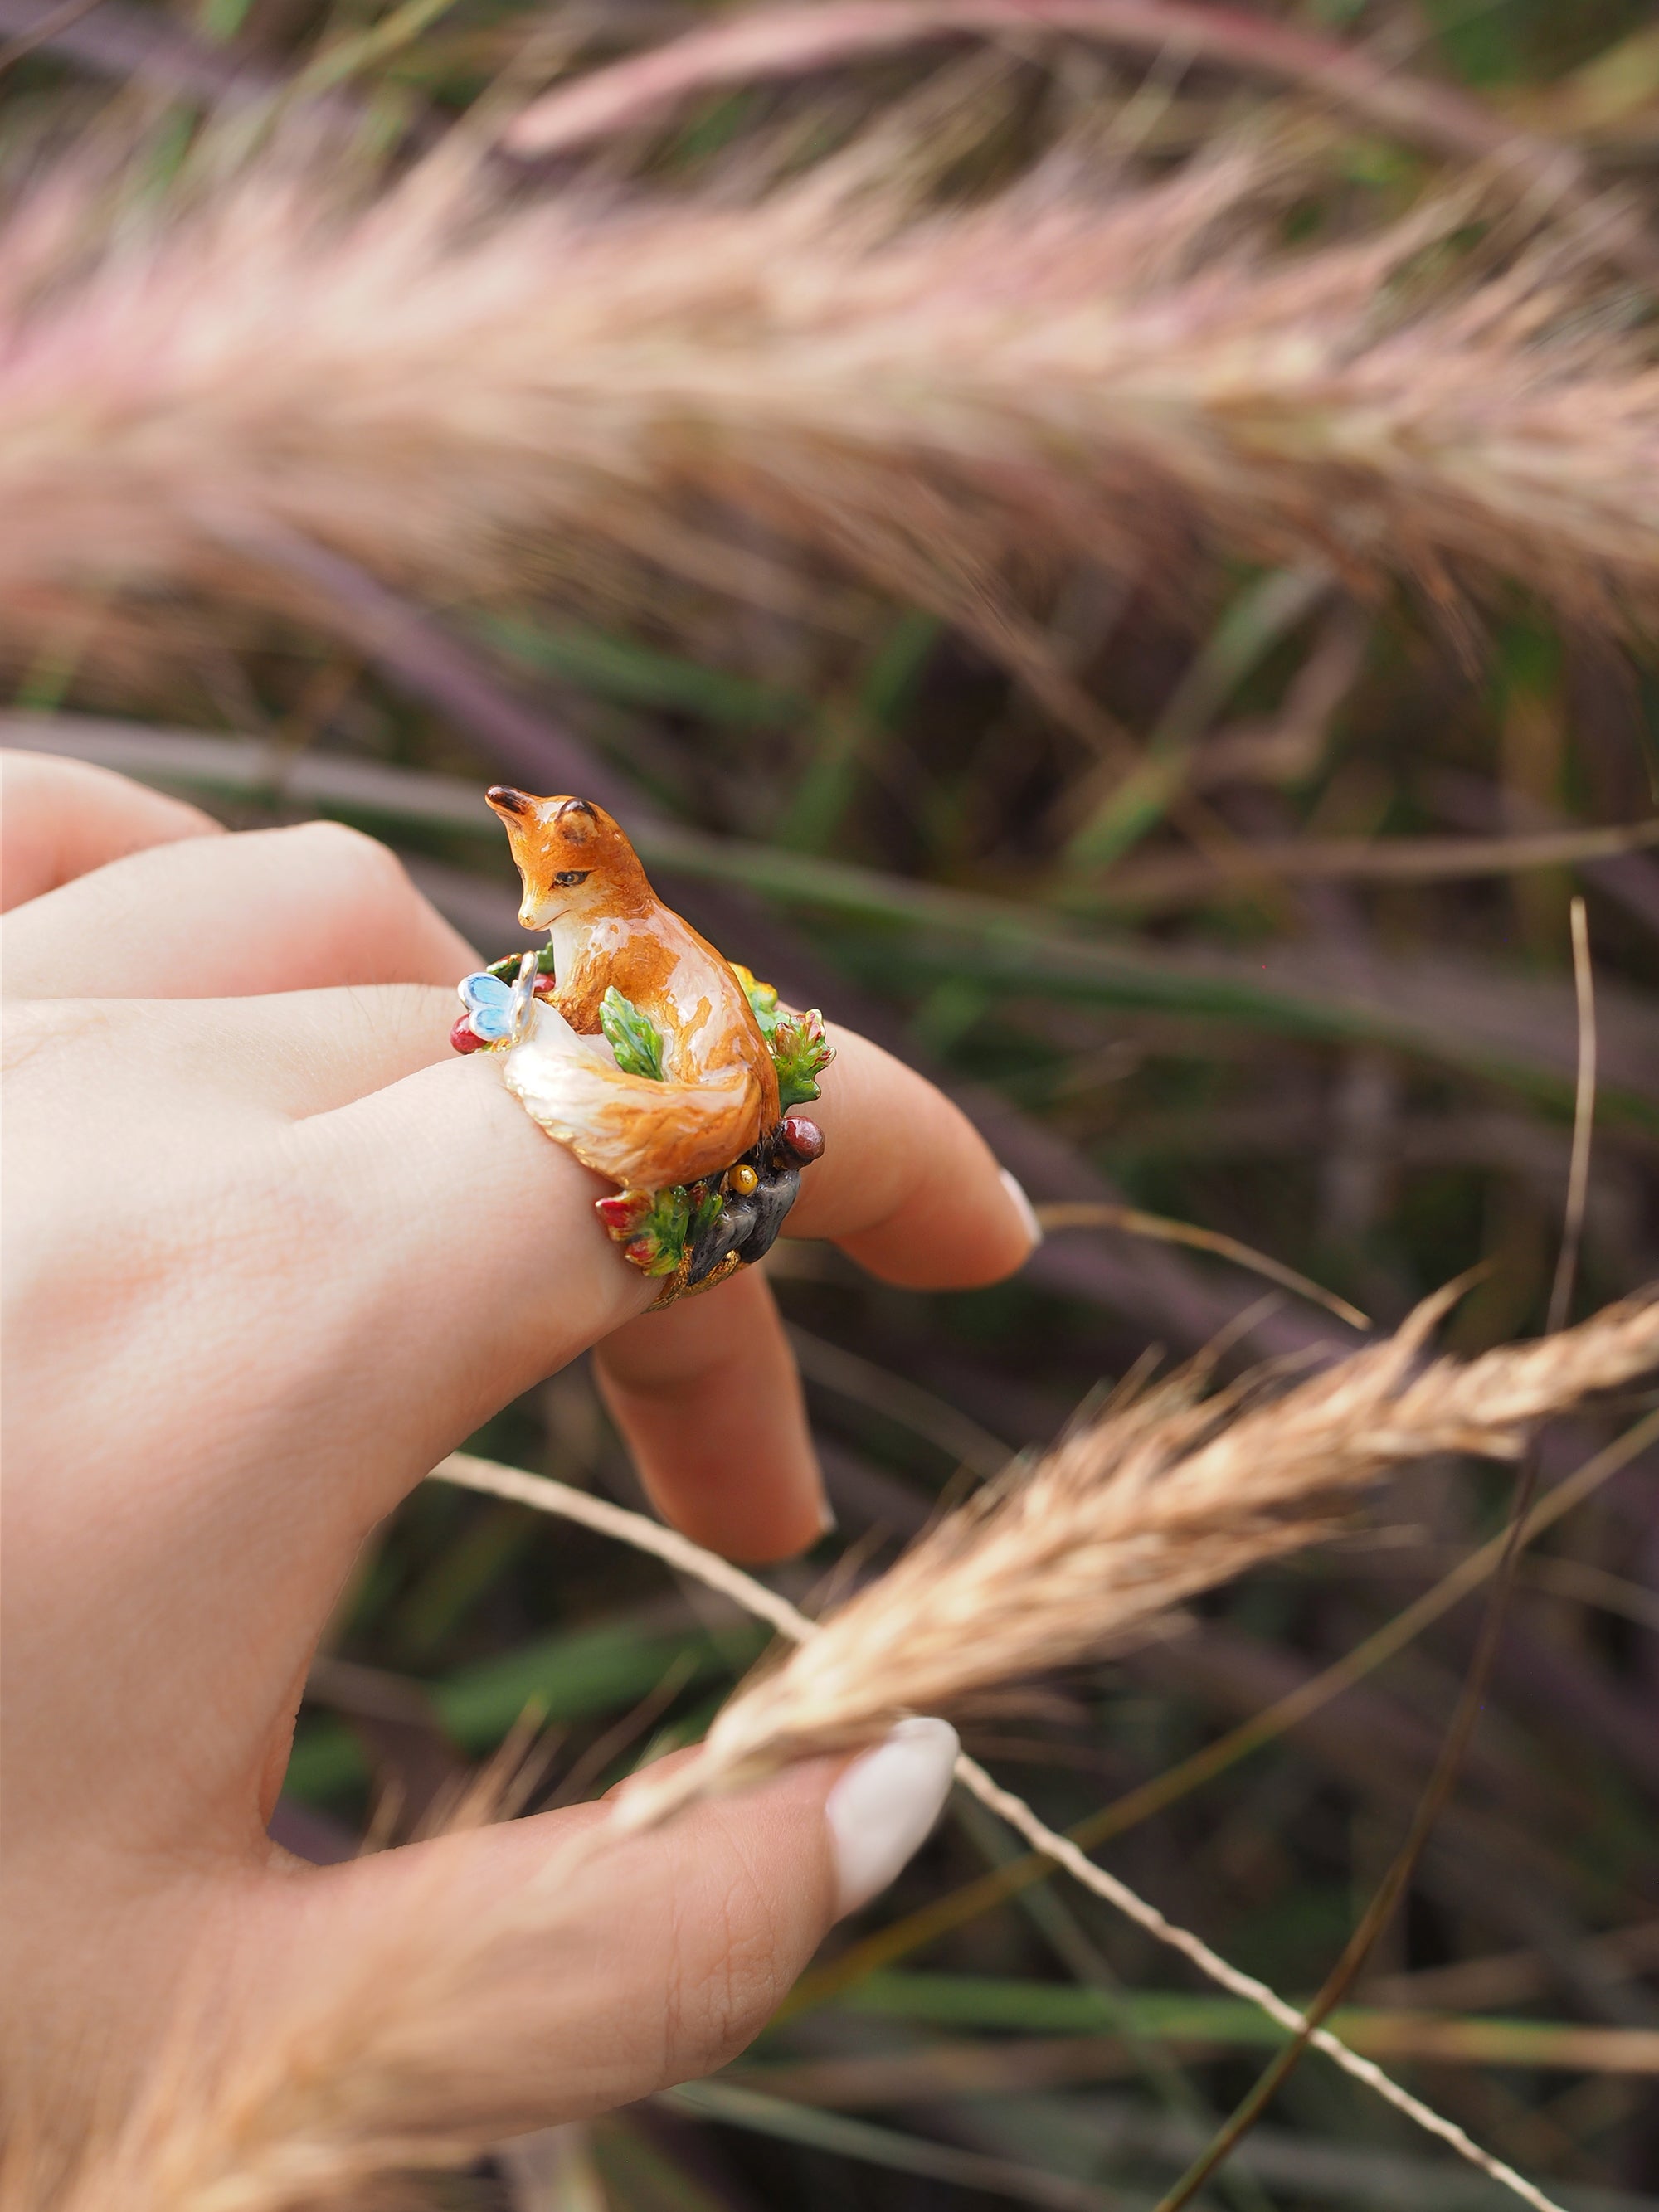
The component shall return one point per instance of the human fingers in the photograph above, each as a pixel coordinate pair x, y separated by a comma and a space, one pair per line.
466, 1258
709, 1400
485, 1230
296, 1053
59, 819
906, 1186
265, 910
539, 1986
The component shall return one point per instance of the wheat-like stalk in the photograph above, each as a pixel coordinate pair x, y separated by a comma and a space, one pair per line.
1136, 1512
457, 391
1152, 1500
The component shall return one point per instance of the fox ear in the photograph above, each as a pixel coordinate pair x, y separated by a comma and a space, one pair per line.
577, 820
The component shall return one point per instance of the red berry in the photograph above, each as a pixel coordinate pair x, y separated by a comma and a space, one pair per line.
805, 1138
462, 1037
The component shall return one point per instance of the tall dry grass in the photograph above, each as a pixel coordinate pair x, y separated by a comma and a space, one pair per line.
465, 391
1157, 1497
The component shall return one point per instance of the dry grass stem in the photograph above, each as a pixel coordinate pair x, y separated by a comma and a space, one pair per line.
750, 45
547, 1496
899, 1938
1472, 1695
1209, 1962
1137, 1511
1175, 879
1093, 1213
769, 43
337, 2089
1573, 1234
1158, 1499
440, 386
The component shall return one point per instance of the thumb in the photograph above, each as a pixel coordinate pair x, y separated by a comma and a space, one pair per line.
485, 1983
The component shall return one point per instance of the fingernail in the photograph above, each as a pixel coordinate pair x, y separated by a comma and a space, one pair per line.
1022, 1207
883, 1809
827, 1524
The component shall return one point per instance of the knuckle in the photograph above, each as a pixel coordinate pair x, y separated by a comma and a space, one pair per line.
354, 859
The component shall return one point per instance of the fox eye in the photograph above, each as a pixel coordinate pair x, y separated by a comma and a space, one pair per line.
573, 875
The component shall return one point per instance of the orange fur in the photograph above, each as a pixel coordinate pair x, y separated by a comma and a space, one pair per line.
609, 928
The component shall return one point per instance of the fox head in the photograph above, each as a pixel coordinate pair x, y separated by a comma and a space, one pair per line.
573, 860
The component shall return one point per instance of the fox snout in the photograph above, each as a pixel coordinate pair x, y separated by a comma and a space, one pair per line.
559, 844
522, 813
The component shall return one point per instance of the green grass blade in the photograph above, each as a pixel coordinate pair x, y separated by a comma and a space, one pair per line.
846, 734
568, 1677
633, 675
1486, 1024
879, 2146
977, 2000
1262, 614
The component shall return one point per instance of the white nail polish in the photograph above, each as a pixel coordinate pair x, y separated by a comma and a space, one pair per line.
883, 1809
1022, 1207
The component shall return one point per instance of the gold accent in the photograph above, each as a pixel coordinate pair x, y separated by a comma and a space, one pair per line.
742, 1180
674, 1289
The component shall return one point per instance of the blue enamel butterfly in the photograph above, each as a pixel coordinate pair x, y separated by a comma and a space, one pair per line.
497, 1012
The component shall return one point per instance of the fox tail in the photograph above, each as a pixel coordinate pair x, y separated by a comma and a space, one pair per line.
641, 1134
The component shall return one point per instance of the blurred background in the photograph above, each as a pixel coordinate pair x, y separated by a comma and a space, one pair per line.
1112, 547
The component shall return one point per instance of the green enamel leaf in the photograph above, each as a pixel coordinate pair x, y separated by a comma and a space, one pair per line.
632, 1036
800, 1052
660, 1235
671, 1220
507, 968
706, 1203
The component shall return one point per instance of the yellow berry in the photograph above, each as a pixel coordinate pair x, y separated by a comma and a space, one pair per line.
742, 1180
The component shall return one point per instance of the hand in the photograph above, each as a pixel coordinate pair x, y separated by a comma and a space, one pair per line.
272, 1251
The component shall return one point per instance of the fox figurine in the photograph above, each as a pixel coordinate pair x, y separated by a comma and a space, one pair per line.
718, 1094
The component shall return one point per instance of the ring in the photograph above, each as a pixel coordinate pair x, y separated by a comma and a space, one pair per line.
664, 1066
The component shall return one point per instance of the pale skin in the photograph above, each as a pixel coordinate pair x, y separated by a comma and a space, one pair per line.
270, 1252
